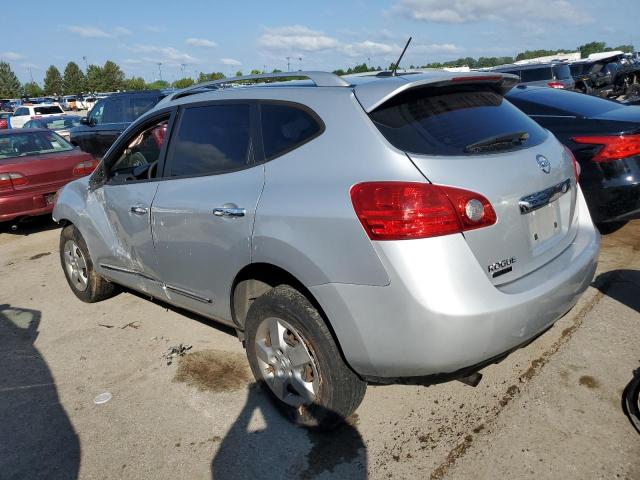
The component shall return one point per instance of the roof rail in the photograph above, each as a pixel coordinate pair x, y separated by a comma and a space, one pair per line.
321, 79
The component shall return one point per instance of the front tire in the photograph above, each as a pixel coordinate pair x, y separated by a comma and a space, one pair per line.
294, 356
77, 265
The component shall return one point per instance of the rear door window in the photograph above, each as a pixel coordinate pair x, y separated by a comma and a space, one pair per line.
139, 106
211, 139
286, 127
114, 110
447, 120
536, 74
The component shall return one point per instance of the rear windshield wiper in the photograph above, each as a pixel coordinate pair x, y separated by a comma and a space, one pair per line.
498, 142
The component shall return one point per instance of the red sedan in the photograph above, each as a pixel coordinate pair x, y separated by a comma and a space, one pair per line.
34, 165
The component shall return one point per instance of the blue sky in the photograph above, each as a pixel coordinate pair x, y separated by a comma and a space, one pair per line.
193, 36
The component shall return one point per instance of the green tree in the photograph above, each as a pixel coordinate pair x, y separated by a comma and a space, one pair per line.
135, 83
239, 73
591, 47
275, 70
206, 77
53, 84
94, 78
9, 84
32, 89
625, 48
112, 77
158, 85
74, 81
183, 83
256, 72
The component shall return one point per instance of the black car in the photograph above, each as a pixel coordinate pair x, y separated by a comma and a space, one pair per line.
604, 136
109, 117
607, 77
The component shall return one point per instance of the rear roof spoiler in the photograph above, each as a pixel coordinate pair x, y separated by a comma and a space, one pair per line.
374, 92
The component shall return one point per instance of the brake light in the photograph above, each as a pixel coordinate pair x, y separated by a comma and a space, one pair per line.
35, 117
409, 210
480, 78
3, 123
613, 147
9, 181
576, 165
555, 84
85, 168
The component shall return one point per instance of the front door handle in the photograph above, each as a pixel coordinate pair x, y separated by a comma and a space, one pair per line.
139, 210
228, 211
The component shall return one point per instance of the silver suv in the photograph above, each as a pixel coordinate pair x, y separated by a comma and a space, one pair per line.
388, 229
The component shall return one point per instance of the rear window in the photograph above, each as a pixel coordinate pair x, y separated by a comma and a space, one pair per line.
139, 106
445, 121
285, 127
536, 74
540, 101
32, 143
52, 110
562, 72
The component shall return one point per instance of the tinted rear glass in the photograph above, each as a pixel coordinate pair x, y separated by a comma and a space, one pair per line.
210, 140
32, 143
562, 72
561, 101
536, 74
140, 105
285, 127
52, 110
444, 121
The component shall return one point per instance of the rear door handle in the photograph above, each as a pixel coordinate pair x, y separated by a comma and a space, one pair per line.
229, 212
139, 210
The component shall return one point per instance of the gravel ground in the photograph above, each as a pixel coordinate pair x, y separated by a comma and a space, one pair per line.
550, 410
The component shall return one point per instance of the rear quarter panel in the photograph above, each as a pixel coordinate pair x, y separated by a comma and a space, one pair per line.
305, 222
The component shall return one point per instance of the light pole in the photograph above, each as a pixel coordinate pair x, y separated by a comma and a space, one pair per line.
300, 64
86, 65
160, 70
288, 64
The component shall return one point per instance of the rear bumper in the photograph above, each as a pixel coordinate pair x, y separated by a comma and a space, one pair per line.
440, 314
27, 204
614, 204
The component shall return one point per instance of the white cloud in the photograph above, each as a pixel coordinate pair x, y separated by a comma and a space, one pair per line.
369, 48
11, 56
201, 42
30, 65
230, 62
168, 55
95, 32
296, 37
434, 48
463, 11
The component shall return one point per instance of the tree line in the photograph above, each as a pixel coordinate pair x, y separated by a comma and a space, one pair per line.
110, 77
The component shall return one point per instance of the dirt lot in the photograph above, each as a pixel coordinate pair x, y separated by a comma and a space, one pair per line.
551, 410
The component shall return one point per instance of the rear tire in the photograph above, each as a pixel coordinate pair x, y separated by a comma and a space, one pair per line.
78, 269
291, 350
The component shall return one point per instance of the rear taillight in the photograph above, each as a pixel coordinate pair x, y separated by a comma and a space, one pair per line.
35, 117
84, 168
576, 165
613, 147
409, 210
8, 181
555, 84
3, 124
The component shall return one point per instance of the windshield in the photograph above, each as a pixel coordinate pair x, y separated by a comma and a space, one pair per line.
54, 109
59, 123
32, 143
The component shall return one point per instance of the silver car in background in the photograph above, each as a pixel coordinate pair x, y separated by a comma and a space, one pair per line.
373, 228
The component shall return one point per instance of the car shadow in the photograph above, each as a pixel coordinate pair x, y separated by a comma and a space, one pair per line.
621, 285
29, 226
283, 451
37, 439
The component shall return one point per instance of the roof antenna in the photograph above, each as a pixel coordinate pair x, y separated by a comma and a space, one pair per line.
395, 67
